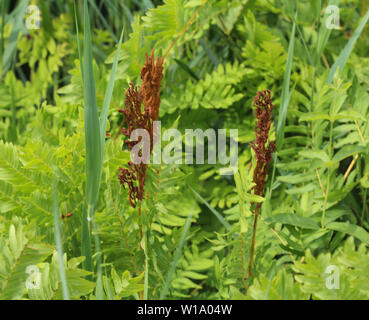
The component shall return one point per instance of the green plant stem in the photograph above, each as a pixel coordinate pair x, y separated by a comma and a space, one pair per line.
329, 174
325, 199
252, 251
59, 244
146, 279
13, 128
99, 282
243, 262
140, 238
139, 225
189, 22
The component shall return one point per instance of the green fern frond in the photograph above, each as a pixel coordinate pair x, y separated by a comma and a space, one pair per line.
165, 22
11, 168
18, 252
50, 287
215, 91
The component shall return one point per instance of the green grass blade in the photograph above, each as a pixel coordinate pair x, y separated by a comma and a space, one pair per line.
78, 42
177, 256
345, 53
103, 20
85, 236
308, 54
103, 121
59, 245
107, 97
215, 212
285, 96
93, 144
95, 139
186, 68
86, 242
92, 125
99, 280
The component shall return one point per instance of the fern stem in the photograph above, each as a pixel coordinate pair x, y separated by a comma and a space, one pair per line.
320, 181
189, 22
146, 278
325, 200
329, 173
243, 262
139, 226
252, 251
139, 240
356, 155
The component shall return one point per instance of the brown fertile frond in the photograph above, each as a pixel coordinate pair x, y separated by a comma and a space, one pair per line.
263, 154
136, 118
151, 75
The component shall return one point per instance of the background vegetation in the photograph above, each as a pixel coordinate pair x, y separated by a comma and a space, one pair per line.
61, 88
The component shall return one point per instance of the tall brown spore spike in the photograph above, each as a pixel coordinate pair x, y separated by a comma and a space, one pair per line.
263, 154
136, 118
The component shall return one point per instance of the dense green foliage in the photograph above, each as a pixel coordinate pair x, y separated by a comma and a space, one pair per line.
59, 191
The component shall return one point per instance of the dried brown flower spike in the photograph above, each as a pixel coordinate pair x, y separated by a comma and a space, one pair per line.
136, 118
264, 108
263, 154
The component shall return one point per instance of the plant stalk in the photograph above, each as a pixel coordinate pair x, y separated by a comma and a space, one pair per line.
252, 251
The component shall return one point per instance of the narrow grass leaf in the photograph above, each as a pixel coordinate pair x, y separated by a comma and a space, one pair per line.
345, 53
285, 96
93, 144
216, 213
99, 280
86, 241
107, 97
58, 242
186, 68
103, 20
92, 126
78, 42
146, 279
